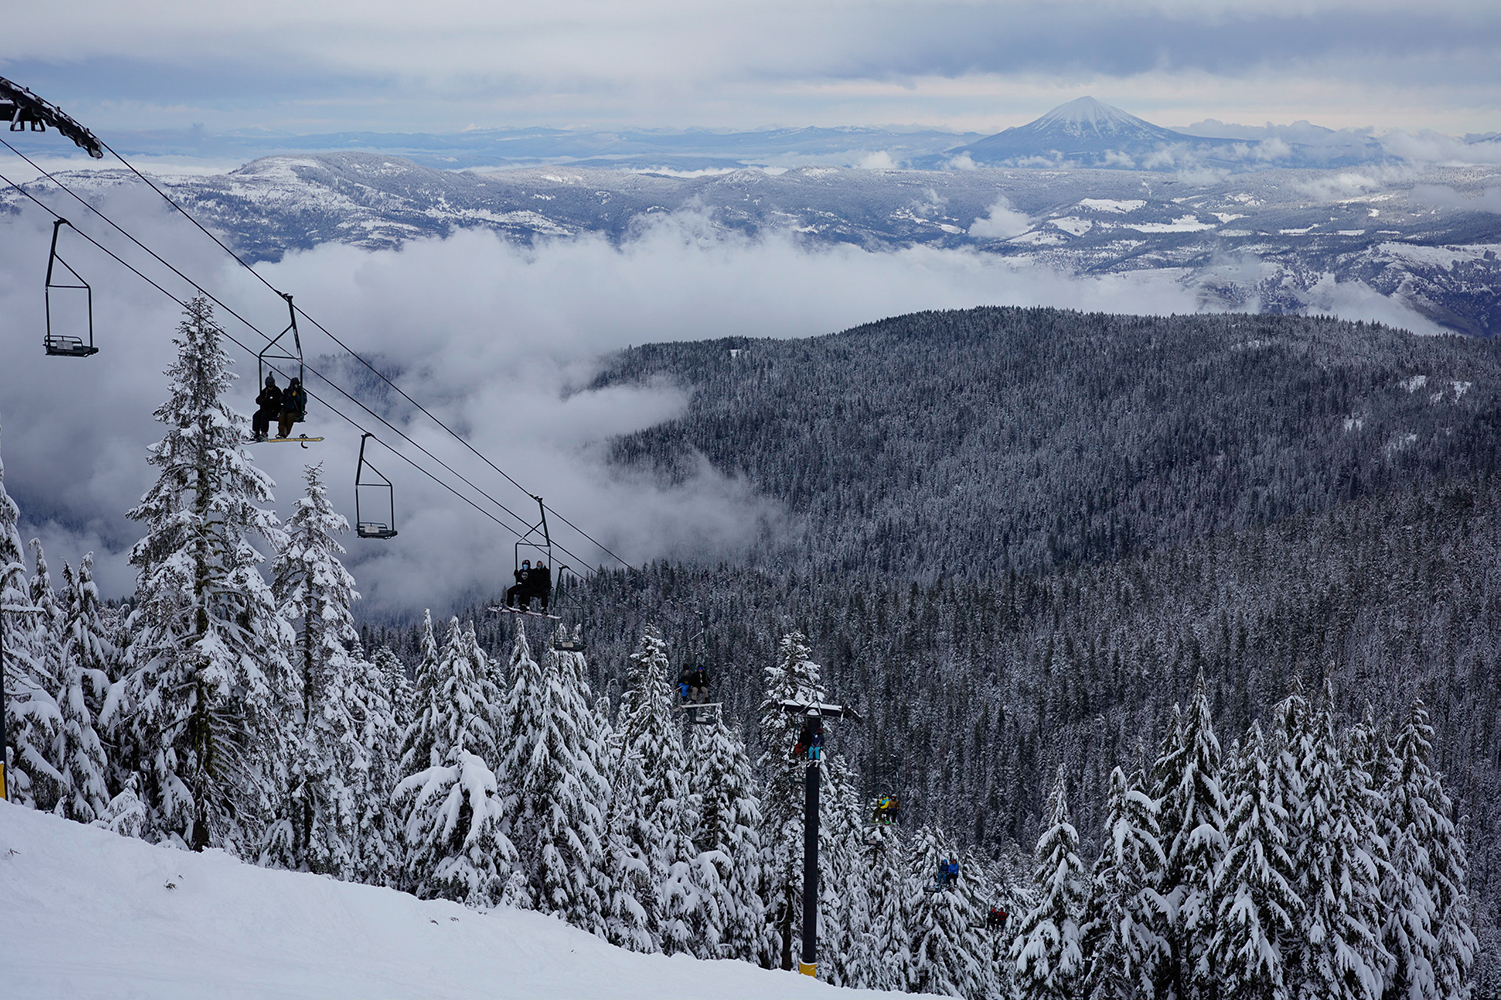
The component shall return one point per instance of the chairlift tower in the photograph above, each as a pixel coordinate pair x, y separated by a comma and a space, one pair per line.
813, 715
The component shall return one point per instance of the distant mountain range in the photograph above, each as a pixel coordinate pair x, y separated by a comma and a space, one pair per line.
1081, 133
1276, 240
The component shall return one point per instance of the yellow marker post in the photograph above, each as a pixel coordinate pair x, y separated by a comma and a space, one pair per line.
808, 968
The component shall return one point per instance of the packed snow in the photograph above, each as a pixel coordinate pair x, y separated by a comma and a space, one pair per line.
93, 914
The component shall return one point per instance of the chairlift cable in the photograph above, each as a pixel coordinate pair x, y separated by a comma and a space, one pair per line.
355, 354
167, 264
245, 347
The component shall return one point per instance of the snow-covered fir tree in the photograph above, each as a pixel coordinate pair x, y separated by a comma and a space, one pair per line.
652, 800
1425, 902
398, 685
1340, 955
1121, 932
1047, 949
32, 720
1259, 909
1191, 821
881, 954
728, 811
209, 690
944, 928
555, 791
329, 765
792, 676
84, 661
450, 806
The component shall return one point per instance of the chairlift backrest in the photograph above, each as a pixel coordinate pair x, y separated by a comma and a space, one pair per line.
62, 344
366, 478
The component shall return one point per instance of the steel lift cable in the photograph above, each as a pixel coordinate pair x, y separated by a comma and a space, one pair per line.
354, 354
262, 334
246, 348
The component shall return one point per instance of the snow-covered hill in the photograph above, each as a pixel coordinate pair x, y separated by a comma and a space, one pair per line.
92, 914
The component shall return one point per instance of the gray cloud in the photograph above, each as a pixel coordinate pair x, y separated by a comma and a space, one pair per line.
293, 66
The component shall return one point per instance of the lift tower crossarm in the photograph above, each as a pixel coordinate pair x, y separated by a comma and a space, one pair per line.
22, 108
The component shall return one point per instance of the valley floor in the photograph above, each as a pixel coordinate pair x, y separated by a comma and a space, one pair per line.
91, 914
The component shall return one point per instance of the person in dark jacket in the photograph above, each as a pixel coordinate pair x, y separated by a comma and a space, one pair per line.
523, 588
693, 684
293, 407
269, 402
541, 584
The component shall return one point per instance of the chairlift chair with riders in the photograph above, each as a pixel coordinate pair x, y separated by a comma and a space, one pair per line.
373, 528
277, 350
536, 540
61, 344
693, 680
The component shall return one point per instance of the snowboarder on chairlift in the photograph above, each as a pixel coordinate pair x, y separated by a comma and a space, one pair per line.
810, 741
523, 588
269, 403
293, 407
996, 920
541, 584
693, 684
886, 810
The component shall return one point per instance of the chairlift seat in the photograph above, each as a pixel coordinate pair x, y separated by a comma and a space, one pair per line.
374, 529
60, 345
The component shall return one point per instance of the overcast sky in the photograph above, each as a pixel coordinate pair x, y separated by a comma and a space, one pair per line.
318, 65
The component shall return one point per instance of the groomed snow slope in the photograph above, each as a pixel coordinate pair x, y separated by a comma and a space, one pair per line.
90, 914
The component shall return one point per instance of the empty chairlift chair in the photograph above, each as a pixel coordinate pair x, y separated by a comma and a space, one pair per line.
67, 345
368, 478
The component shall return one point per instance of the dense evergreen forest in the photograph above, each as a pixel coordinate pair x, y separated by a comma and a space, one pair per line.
1204, 624
1017, 535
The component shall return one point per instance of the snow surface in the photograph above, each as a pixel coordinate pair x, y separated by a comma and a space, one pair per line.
92, 914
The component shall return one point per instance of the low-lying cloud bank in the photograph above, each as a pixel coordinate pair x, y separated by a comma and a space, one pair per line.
499, 342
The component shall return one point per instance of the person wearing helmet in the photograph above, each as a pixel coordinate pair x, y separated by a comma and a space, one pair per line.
269, 403
523, 586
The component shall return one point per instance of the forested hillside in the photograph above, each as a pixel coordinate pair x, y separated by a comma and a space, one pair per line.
1022, 533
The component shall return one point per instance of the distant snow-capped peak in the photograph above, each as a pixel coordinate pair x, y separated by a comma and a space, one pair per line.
1087, 115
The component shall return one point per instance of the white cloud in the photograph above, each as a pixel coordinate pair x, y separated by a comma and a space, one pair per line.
1002, 221
500, 341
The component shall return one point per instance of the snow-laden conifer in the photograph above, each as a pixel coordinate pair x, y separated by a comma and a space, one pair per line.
84, 658
653, 799
450, 807
556, 793
453, 694
792, 676
728, 811
1425, 901
316, 592
209, 691
1259, 909
1340, 955
943, 928
1191, 821
398, 685
1121, 932
881, 955
1047, 950
32, 720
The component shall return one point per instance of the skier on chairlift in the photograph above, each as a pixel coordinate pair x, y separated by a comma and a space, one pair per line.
886, 810
523, 588
693, 684
541, 585
947, 877
269, 406
810, 741
293, 408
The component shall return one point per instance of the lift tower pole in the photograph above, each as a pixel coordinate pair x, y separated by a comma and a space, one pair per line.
813, 714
